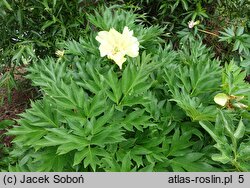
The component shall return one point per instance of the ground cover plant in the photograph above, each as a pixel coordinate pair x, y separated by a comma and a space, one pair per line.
126, 96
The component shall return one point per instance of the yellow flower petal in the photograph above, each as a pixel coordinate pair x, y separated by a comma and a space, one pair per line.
119, 59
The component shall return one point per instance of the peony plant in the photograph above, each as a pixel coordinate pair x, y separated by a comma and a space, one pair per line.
158, 114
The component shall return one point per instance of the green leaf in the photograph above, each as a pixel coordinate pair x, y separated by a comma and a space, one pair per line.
6, 123
79, 156
131, 100
194, 165
18, 54
67, 147
101, 121
148, 168
239, 31
229, 127
240, 131
108, 135
221, 158
112, 80
138, 160
98, 105
209, 127
126, 163
91, 159
48, 24
136, 119
184, 4
140, 150
7, 5
236, 45
89, 156
244, 151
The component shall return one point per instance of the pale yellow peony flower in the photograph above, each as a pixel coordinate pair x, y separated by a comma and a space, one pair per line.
116, 45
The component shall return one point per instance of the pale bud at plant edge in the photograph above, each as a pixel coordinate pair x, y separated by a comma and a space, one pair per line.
221, 99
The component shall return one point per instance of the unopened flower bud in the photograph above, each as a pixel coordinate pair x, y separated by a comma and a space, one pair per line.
191, 23
59, 53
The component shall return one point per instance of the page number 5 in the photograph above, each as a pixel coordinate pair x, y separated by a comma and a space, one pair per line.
241, 179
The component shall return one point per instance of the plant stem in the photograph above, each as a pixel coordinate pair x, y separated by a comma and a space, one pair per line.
208, 32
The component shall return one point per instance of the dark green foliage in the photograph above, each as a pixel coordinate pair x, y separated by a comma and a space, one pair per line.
33, 29
5, 158
240, 39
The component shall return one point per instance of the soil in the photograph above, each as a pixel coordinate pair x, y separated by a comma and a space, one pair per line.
18, 103
20, 100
